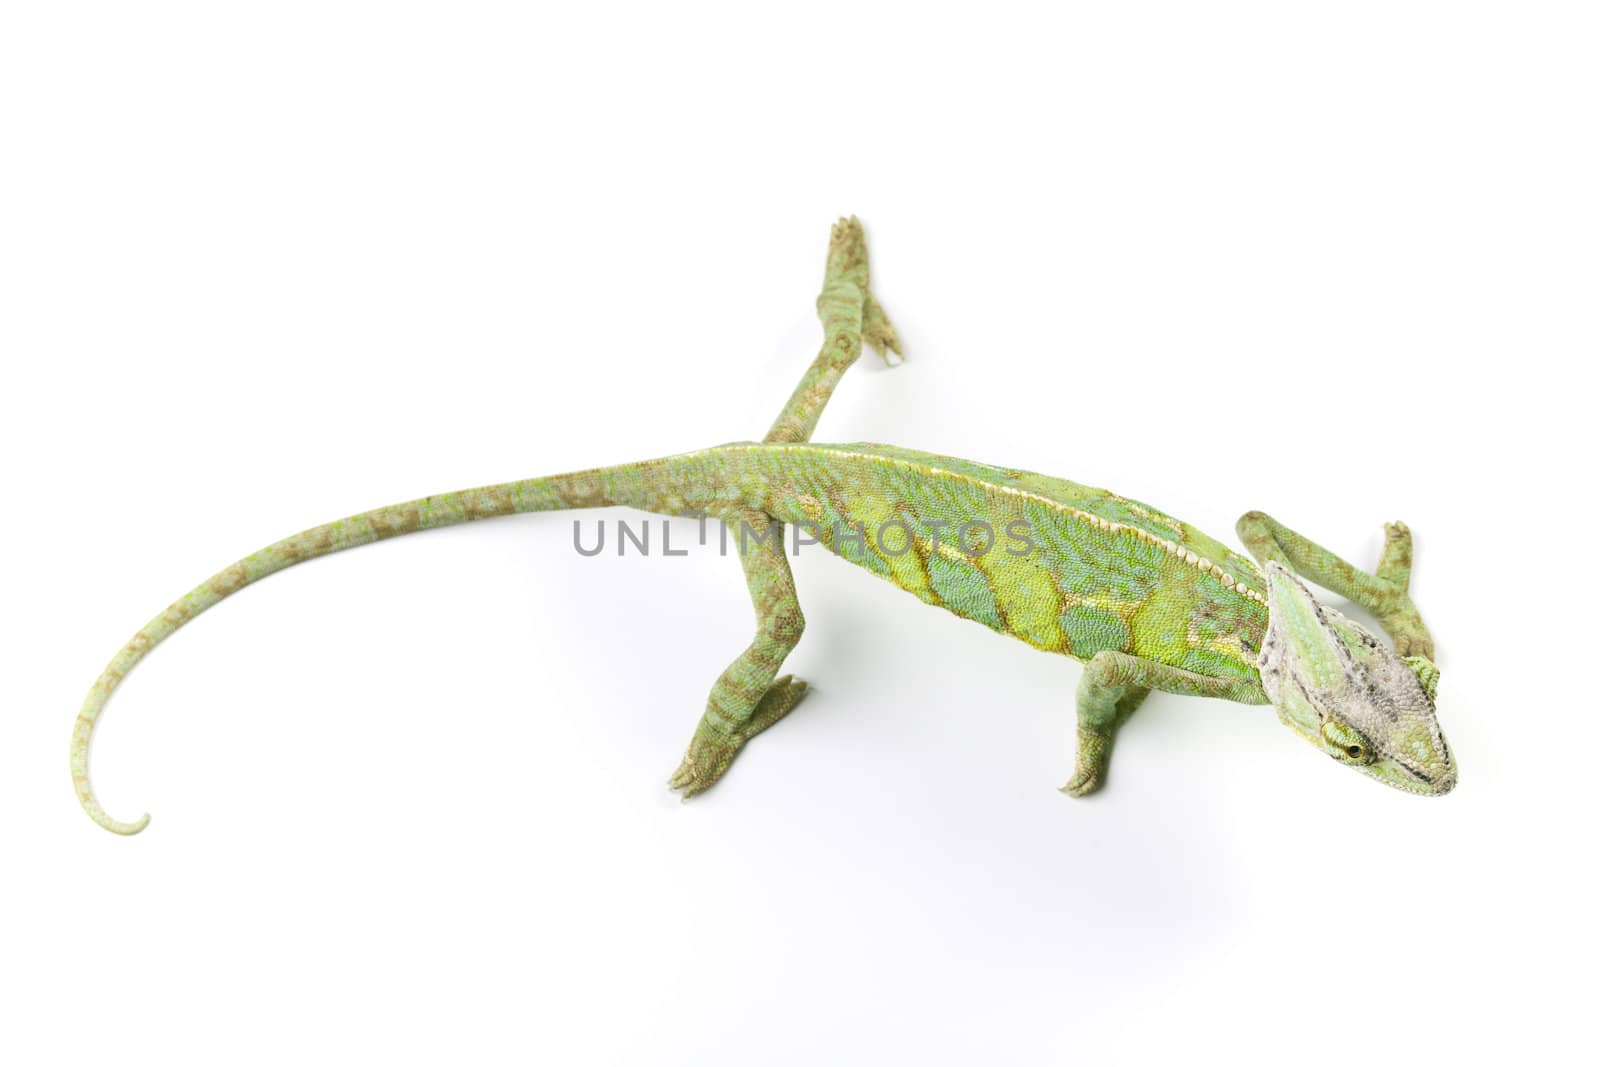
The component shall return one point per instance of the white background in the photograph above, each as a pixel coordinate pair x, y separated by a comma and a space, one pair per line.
260, 268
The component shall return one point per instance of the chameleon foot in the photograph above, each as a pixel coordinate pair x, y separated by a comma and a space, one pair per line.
1400, 620
877, 332
710, 754
1394, 565
1094, 754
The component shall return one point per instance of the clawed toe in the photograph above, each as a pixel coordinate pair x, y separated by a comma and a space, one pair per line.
688, 781
1082, 784
705, 762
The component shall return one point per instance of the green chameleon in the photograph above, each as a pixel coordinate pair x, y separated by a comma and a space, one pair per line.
1145, 601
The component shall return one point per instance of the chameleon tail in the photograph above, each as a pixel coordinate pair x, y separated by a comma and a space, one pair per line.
638, 485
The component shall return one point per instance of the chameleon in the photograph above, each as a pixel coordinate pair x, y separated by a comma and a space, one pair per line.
1145, 601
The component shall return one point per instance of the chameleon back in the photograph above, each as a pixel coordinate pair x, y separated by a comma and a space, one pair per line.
1065, 567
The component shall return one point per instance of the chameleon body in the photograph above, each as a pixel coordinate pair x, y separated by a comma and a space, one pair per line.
1143, 599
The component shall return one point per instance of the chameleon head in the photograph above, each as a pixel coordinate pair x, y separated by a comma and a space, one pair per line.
1348, 693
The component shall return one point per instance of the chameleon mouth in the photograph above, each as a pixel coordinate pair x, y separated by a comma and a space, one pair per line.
1411, 779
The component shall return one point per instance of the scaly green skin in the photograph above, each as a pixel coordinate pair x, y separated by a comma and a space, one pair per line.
1146, 601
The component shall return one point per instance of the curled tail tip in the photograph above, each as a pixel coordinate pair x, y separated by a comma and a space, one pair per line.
126, 829
92, 808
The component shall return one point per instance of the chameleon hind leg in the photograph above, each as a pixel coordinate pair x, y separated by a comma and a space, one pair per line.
749, 696
1113, 686
1385, 592
850, 317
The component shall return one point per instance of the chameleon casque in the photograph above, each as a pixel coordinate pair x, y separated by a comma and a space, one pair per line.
1145, 601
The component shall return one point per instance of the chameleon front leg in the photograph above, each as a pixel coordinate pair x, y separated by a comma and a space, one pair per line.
749, 697
1385, 593
850, 316
1113, 686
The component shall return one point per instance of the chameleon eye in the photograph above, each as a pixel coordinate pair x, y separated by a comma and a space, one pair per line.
1344, 742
